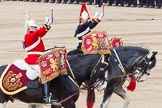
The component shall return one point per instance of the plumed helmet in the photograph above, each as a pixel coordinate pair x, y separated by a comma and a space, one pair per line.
32, 23
83, 13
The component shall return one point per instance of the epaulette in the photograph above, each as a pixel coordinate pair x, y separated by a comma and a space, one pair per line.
97, 20
92, 19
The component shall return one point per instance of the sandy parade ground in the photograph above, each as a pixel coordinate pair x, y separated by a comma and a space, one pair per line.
137, 27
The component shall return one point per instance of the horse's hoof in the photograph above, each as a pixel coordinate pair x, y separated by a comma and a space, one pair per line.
57, 104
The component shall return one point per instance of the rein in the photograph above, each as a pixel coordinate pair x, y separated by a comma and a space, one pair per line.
141, 60
93, 70
101, 59
72, 73
120, 64
122, 68
69, 97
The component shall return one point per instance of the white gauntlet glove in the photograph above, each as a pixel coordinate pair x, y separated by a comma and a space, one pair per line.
101, 16
48, 21
96, 15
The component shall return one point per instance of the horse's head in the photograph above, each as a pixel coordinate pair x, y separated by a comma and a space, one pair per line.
99, 72
135, 60
145, 66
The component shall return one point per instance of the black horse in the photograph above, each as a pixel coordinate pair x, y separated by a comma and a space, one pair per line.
63, 88
124, 62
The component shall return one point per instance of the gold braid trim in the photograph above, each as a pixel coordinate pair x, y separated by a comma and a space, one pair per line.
47, 27
97, 20
91, 19
4, 90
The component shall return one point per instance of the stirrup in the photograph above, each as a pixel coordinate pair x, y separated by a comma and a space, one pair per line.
48, 100
54, 102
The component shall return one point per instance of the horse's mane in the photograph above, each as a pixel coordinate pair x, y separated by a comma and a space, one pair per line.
80, 56
130, 54
133, 49
128, 51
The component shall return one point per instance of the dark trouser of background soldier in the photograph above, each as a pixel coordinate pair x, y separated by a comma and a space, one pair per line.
70, 1
64, 1
150, 4
125, 2
158, 4
77, 1
58, 1
119, 3
90, 2
51, 1
132, 3
110, 2
99, 3
141, 3
105, 2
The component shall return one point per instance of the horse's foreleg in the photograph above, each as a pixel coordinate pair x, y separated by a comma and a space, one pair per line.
121, 92
107, 95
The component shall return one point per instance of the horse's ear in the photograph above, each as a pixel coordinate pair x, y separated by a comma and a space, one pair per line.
154, 52
153, 55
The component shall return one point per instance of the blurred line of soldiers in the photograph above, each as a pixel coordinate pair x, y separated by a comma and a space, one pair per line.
126, 3
2, 0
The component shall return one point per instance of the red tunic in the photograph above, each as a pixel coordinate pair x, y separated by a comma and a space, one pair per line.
34, 38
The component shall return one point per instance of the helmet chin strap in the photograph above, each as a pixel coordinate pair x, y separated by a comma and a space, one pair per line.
84, 20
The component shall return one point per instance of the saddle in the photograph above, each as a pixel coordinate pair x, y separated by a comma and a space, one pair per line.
52, 64
14, 80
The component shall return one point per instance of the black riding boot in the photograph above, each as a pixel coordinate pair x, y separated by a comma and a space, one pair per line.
47, 97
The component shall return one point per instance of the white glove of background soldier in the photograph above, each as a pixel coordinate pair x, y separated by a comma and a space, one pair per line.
96, 15
101, 16
48, 20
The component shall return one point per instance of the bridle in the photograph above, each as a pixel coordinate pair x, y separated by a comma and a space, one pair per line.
100, 62
140, 66
102, 68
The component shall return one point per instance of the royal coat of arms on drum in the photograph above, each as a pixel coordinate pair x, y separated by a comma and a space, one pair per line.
52, 64
95, 42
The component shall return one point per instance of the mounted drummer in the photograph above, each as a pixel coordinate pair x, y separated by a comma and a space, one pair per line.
86, 24
34, 46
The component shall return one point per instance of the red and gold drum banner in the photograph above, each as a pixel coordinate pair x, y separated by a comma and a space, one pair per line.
52, 64
115, 42
95, 42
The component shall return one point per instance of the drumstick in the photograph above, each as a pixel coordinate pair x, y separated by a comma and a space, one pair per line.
97, 7
52, 13
26, 20
103, 7
47, 12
